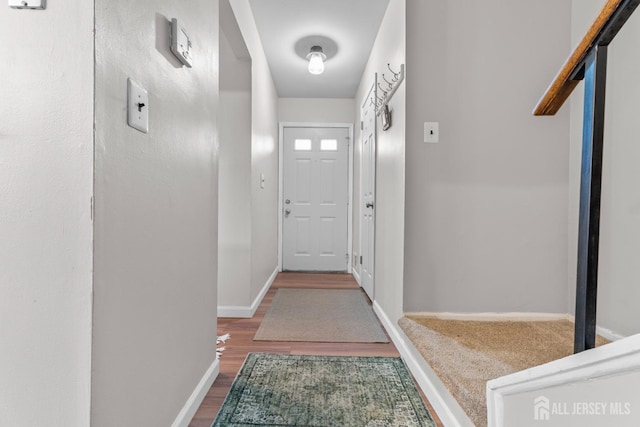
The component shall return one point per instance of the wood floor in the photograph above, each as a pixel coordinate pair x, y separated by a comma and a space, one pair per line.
243, 330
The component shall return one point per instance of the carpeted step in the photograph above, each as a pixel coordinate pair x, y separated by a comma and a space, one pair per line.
466, 354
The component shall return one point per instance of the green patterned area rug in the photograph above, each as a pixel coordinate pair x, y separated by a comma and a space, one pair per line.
322, 391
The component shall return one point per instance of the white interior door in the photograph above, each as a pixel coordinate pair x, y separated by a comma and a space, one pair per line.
368, 187
315, 199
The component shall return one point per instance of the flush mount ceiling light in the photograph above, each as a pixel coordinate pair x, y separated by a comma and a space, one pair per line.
315, 50
316, 59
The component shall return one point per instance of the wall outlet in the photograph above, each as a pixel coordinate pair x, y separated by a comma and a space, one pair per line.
431, 132
28, 4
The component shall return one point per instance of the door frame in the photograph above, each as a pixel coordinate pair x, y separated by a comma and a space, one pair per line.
281, 126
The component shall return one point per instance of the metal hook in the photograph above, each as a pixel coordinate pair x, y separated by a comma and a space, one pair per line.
384, 92
388, 82
395, 75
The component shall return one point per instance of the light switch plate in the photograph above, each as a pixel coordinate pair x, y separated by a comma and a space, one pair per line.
181, 44
137, 106
431, 132
28, 4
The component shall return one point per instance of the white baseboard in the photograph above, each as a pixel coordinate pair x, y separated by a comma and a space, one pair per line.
193, 403
516, 317
496, 317
356, 276
263, 292
608, 334
603, 332
234, 311
447, 408
237, 311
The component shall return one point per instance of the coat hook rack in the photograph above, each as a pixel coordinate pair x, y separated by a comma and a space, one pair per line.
396, 80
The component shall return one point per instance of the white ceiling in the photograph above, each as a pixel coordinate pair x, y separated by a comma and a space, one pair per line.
351, 24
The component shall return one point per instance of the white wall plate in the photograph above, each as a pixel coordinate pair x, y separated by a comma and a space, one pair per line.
431, 132
28, 4
181, 44
137, 106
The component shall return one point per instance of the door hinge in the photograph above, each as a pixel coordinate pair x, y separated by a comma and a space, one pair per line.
360, 259
361, 125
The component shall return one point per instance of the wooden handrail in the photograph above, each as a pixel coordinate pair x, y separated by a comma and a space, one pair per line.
588, 62
563, 84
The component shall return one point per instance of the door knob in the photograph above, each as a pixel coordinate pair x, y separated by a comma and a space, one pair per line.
287, 212
287, 201
369, 205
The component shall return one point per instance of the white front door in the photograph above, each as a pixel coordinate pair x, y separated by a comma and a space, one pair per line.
368, 192
315, 199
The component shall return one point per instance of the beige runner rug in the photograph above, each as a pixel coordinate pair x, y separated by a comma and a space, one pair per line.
320, 315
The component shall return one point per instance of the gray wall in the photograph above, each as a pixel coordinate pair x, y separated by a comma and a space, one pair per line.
486, 208
619, 270
234, 238
316, 110
264, 156
260, 255
46, 171
154, 324
389, 47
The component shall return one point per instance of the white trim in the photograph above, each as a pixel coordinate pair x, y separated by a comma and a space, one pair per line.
280, 189
517, 317
445, 405
356, 276
608, 334
603, 332
238, 311
235, 311
193, 402
263, 292
616, 358
350, 201
496, 317
349, 126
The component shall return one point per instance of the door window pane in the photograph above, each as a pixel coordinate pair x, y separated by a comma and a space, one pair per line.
329, 145
302, 145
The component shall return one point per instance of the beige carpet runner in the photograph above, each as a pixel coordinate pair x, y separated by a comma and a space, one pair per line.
320, 315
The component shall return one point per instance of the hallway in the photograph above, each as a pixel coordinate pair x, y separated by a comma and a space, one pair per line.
243, 330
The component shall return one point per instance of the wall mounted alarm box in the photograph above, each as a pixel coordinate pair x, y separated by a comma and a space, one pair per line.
180, 43
28, 4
